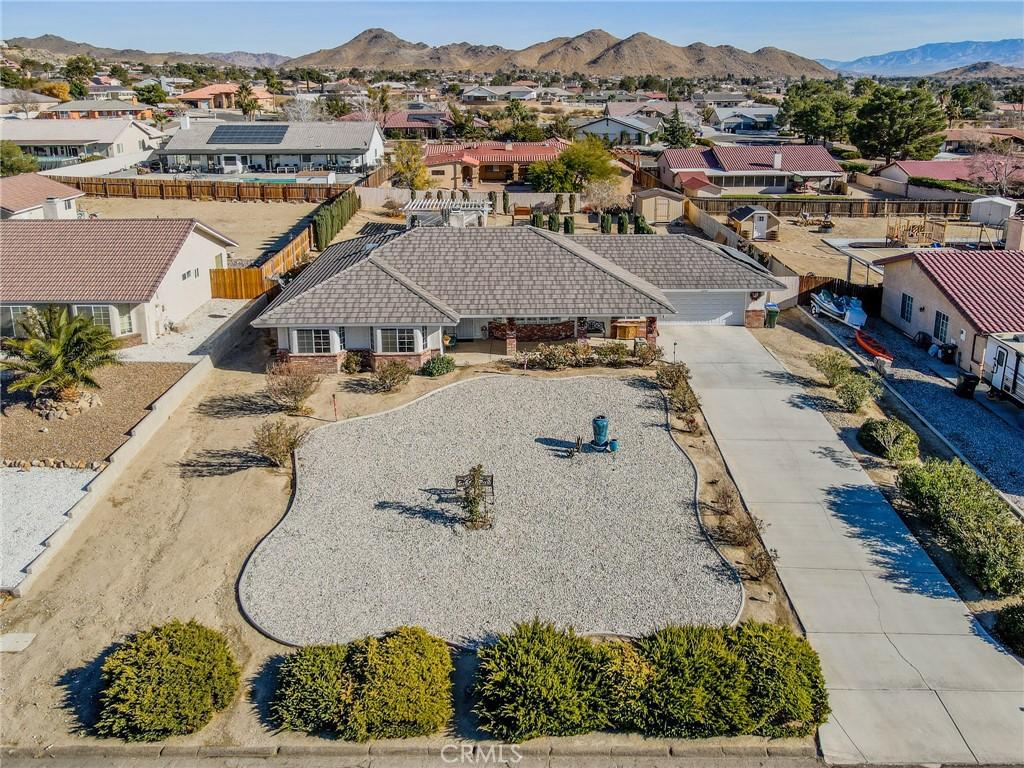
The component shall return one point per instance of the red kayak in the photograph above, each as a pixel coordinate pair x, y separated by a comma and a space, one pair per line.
872, 346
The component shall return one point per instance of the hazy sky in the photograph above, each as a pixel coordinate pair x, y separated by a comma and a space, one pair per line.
816, 28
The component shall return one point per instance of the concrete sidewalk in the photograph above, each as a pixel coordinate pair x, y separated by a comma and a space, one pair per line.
912, 676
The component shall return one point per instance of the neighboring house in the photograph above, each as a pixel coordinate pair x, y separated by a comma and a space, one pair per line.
552, 94
956, 297
750, 169
172, 86
719, 99
754, 117
233, 147
658, 206
483, 94
105, 92
106, 109
138, 277
56, 143
222, 96
943, 170
17, 102
620, 130
657, 109
494, 162
394, 297
31, 196
421, 122
967, 141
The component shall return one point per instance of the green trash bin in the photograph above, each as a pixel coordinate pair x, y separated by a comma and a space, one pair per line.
771, 315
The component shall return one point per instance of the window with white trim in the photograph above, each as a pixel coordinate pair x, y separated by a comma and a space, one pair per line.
124, 318
397, 340
312, 341
941, 329
906, 308
341, 337
10, 317
98, 313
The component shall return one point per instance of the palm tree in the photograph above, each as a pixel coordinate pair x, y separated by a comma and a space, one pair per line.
59, 354
246, 100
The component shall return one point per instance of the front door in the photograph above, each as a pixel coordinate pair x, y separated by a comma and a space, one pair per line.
999, 369
760, 226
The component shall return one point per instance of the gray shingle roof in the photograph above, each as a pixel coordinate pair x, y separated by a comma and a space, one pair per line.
317, 138
682, 262
474, 272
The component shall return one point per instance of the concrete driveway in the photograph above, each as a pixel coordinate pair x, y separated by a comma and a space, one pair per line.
912, 676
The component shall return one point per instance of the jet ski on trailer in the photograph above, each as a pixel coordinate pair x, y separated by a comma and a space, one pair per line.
846, 309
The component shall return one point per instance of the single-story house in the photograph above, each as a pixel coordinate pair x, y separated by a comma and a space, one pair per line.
494, 162
751, 169
222, 96
339, 145
17, 101
136, 276
56, 143
754, 222
754, 117
620, 130
658, 206
484, 94
172, 86
943, 170
396, 296
417, 122
719, 99
967, 141
653, 110
93, 109
32, 196
110, 92
956, 297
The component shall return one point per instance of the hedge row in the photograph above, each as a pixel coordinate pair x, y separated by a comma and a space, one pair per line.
1010, 626
977, 525
951, 186
689, 682
332, 216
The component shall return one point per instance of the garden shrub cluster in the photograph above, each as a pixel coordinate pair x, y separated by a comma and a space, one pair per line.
581, 354
276, 440
891, 439
166, 681
1010, 626
950, 186
852, 389
331, 217
976, 523
396, 686
391, 375
438, 366
689, 682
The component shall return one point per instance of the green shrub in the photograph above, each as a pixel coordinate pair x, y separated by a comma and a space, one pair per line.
832, 364
438, 366
539, 681
606, 223
505, 205
626, 675
787, 694
646, 354
623, 224
572, 202
670, 374
891, 439
569, 225
854, 390
642, 227
855, 166
331, 217
552, 357
1010, 626
352, 362
579, 353
537, 219
846, 154
683, 397
698, 686
276, 440
166, 681
554, 222
614, 353
950, 186
397, 686
559, 202
977, 525
391, 375
492, 198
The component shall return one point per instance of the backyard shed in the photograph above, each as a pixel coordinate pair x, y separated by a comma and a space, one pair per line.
992, 211
658, 206
754, 222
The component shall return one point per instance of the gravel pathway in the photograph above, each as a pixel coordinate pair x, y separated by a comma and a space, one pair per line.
979, 434
605, 543
33, 507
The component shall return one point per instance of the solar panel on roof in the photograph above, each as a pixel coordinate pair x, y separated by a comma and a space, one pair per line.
247, 134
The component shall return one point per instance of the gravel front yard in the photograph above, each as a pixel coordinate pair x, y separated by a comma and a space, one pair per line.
126, 391
605, 543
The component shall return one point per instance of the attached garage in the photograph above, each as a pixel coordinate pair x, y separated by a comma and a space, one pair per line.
706, 307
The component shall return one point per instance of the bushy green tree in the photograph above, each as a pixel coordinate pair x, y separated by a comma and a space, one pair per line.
622, 224
13, 161
583, 162
818, 109
674, 130
151, 94
554, 222
569, 225
899, 123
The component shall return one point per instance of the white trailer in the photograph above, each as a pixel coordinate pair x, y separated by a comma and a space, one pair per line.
1004, 365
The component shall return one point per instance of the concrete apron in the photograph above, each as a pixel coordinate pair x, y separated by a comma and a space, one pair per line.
912, 676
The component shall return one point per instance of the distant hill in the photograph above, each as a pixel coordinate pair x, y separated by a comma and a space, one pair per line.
249, 60
62, 49
983, 70
934, 57
595, 52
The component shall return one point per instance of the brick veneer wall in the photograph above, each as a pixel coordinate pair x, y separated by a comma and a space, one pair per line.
414, 360
753, 318
328, 363
534, 332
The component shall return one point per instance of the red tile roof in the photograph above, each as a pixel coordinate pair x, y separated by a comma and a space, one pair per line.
220, 88
30, 190
691, 158
102, 260
795, 159
987, 287
944, 170
488, 152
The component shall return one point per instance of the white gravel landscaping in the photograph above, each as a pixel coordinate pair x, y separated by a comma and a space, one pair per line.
601, 542
35, 503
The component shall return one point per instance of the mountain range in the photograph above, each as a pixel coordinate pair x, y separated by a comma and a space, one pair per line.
934, 57
595, 52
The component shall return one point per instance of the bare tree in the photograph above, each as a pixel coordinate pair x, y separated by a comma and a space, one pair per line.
26, 102
603, 195
304, 111
998, 167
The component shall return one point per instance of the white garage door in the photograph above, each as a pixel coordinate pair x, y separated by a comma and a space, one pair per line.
705, 308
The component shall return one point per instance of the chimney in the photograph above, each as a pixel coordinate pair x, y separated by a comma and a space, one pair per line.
508, 146
186, 121
51, 208
777, 161
1014, 234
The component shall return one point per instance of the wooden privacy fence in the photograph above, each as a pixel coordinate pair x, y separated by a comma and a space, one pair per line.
850, 207
246, 283
870, 295
196, 189
377, 178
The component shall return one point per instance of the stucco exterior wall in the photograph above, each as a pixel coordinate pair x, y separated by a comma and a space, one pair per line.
177, 297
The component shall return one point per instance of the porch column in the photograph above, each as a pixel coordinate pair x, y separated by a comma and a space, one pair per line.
581, 328
510, 336
652, 331
515, 171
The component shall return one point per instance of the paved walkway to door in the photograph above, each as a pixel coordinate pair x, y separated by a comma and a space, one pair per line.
912, 676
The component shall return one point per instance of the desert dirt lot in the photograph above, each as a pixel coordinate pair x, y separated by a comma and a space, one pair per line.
126, 392
256, 227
